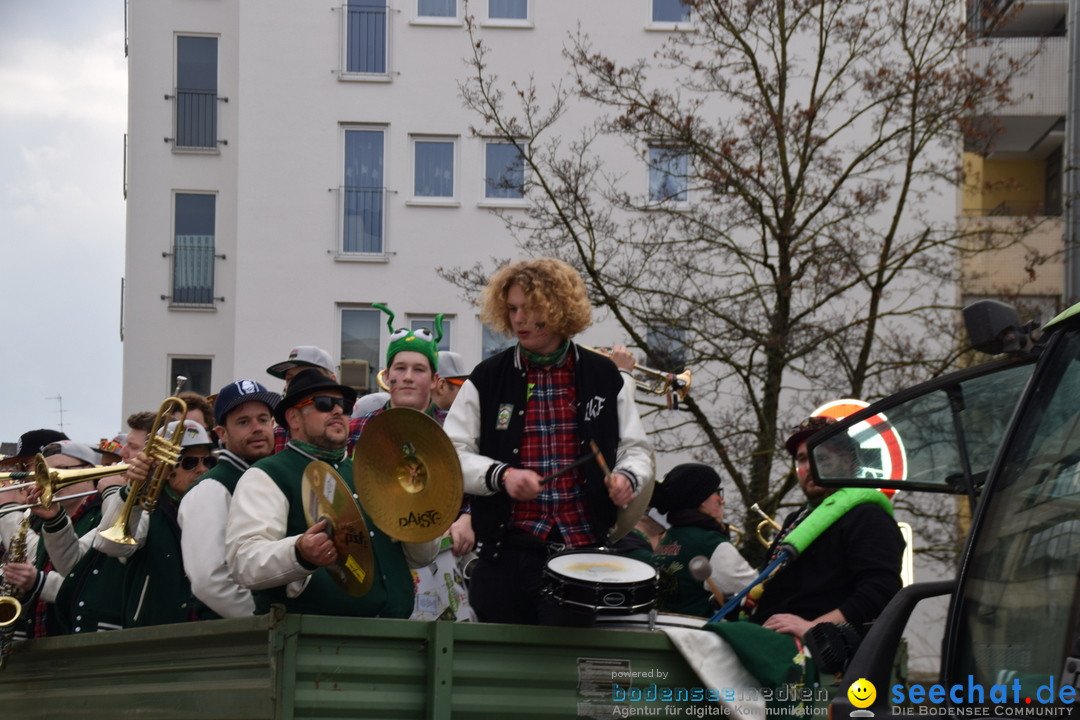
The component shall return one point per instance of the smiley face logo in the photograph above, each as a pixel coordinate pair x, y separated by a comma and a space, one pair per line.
862, 693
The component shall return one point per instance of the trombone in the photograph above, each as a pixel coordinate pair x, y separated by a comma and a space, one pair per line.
51, 480
675, 386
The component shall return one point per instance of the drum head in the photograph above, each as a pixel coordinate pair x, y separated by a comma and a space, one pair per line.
601, 568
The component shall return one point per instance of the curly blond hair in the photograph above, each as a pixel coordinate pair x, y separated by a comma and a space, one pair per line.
553, 289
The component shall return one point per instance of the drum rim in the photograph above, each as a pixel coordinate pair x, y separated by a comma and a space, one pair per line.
631, 562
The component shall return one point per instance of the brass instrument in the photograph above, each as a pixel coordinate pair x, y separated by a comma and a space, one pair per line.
10, 607
675, 386
40, 503
51, 480
380, 380
761, 525
167, 452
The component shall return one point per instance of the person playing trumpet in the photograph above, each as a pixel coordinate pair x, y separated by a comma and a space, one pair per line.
41, 577
156, 590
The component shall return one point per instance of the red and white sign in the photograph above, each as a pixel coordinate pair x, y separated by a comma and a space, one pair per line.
877, 438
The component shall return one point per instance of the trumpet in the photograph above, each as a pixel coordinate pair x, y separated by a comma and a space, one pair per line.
51, 480
167, 452
675, 386
761, 525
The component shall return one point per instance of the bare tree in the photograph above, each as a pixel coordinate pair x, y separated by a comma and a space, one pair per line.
787, 247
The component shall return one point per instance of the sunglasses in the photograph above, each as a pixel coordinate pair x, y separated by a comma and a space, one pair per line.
190, 462
326, 403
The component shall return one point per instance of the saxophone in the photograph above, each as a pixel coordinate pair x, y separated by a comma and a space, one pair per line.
10, 607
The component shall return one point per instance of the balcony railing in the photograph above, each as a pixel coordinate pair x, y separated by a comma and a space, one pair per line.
196, 118
364, 212
366, 37
193, 270
1040, 89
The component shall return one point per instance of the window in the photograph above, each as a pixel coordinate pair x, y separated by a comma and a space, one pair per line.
436, 8
433, 168
508, 9
495, 342
447, 323
361, 331
193, 250
363, 192
196, 92
366, 37
667, 348
670, 11
197, 372
504, 174
668, 174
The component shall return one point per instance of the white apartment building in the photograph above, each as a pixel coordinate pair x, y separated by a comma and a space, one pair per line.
290, 163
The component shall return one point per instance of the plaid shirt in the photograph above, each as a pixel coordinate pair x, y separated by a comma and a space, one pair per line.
357, 426
550, 442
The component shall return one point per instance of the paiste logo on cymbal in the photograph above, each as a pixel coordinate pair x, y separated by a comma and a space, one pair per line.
425, 519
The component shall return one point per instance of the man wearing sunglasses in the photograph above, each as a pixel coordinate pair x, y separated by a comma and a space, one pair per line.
156, 588
269, 546
245, 426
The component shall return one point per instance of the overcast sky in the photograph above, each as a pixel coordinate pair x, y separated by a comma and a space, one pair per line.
63, 112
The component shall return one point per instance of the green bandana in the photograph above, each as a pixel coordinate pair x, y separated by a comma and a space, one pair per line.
546, 360
419, 340
332, 456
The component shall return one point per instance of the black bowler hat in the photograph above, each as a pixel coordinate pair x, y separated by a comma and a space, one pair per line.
309, 382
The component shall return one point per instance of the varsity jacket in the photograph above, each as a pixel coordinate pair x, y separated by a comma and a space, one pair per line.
487, 422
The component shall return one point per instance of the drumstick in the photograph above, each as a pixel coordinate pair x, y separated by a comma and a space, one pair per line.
576, 464
602, 463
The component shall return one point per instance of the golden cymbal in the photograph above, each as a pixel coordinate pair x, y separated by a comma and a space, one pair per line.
407, 475
628, 516
326, 495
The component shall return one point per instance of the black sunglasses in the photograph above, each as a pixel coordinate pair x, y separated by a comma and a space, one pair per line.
326, 403
190, 462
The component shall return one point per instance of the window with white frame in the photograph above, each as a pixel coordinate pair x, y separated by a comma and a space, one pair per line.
363, 192
436, 9
429, 325
670, 11
362, 330
196, 94
366, 37
193, 249
504, 171
508, 11
434, 159
668, 179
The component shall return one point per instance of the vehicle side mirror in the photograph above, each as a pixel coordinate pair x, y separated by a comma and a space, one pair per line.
994, 327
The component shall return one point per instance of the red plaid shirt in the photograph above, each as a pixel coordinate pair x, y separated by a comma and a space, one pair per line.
550, 442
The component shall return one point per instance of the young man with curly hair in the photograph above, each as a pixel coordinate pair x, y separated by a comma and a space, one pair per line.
527, 412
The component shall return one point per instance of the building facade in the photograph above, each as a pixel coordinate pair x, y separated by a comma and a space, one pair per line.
289, 164
1014, 174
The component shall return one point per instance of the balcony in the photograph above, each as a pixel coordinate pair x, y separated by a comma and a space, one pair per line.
193, 271
1026, 258
365, 39
196, 119
363, 220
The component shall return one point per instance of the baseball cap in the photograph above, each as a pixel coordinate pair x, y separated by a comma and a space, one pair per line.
303, 356
240, 392
77, 450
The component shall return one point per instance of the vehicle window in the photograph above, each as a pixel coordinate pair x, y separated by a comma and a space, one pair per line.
1017, 613
913, 444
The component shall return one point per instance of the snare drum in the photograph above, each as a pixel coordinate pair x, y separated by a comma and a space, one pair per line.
603, 582
641, 621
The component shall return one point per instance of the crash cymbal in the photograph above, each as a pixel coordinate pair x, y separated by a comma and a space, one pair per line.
327, 496
628, 516
407, 475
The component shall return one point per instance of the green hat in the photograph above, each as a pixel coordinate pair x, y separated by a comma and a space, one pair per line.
419, 340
